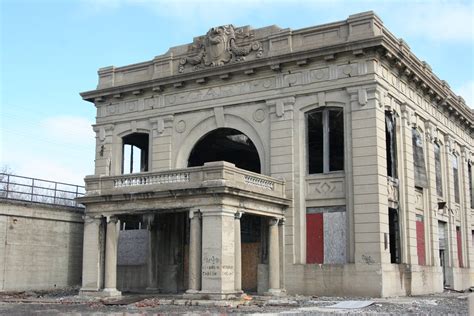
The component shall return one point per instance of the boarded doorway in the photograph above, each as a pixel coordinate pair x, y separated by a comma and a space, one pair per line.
251, 250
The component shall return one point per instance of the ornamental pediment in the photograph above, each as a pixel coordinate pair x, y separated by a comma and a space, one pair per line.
221, 45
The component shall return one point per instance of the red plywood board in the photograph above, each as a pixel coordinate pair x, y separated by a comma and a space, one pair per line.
314, 238
420, 241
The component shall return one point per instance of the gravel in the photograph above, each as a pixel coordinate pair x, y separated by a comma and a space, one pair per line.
66, 302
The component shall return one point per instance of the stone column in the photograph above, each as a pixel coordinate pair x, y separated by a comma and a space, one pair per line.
194, 278
238, 253
91, 259
273, 258
218, 251
111, 241
152, 249
281, 235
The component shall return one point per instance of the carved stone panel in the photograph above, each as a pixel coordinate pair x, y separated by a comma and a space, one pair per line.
325, 188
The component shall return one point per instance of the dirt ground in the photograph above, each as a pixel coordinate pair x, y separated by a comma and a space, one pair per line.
66, 302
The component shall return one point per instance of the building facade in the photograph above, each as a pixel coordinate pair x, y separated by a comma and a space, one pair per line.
327, 161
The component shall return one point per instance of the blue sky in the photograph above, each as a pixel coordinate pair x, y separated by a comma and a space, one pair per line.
51, 50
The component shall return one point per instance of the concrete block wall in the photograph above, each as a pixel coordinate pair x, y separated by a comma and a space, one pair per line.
40, 246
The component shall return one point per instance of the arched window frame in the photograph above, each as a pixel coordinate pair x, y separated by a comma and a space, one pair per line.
142, 143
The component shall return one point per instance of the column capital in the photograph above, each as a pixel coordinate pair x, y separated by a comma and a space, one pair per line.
273, 221
238, 215
282, 221
112, 219
90, 219
195, 212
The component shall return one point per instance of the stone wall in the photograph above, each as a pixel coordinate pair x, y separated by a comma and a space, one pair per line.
40, 246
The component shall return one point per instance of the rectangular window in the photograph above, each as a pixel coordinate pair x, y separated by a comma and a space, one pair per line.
394, 235
471, 193
315, 142
420, 240
459, 243
326, 235
325, 140
421, 179
336, 140
455, 178
438, 170
390, 144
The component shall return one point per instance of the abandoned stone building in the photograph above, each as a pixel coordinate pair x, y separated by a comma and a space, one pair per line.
328, 161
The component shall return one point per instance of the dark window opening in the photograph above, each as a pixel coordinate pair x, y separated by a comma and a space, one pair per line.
391, 144
132, 222
438, 170
325, 140
135, 153
471, 193
459, 244
226, 144
456, 178
394, 235
421, 179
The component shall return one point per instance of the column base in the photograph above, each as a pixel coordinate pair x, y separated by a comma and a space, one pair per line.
111, 292
90, 292
275, 292
205, 295
152, 290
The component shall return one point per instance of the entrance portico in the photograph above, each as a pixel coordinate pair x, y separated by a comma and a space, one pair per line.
215, 196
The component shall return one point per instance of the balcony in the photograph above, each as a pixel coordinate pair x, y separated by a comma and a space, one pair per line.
184, 188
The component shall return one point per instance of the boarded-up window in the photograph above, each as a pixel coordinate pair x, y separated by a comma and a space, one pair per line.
325, 140
326, 235
438, 170
455, 178
420, 240
394, 235
390, 143
459, 243
421, 179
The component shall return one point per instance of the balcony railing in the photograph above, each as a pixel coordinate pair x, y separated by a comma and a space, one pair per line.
13, 187
211, 174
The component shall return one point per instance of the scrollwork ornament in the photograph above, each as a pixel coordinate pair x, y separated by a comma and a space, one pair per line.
218, 47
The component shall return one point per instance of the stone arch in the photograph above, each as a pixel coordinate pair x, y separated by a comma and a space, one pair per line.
208, 125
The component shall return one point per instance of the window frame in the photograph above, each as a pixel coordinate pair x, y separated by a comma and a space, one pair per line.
392, 170
423, 181
326, 139
456, 179
145, 158
441, 188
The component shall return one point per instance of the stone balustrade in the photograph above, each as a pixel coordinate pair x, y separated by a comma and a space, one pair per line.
212, 174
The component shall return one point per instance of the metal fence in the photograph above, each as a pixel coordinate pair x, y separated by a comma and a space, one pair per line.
15, 187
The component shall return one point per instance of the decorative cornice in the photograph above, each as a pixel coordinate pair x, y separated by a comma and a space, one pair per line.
222, 51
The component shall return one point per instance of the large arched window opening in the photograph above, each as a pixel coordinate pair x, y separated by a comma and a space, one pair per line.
226, 144
135, 153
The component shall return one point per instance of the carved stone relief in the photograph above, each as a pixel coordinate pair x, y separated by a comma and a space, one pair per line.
219, 46
325, 188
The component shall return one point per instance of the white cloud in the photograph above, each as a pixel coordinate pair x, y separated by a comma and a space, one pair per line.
467, 92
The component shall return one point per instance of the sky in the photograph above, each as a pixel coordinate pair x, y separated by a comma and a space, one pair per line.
50, 51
